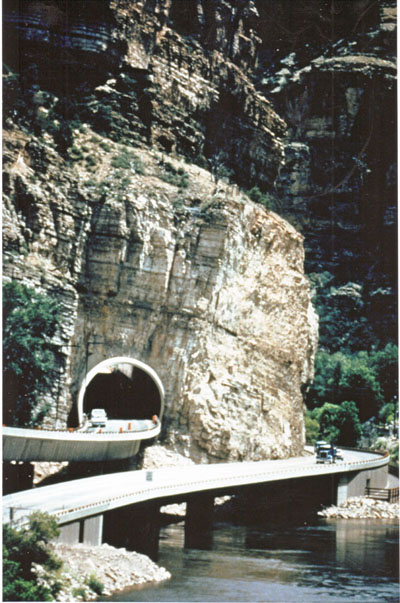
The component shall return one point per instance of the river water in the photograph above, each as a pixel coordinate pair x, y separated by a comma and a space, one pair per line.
323, 560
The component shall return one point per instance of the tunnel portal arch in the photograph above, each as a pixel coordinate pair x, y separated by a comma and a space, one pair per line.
125, 387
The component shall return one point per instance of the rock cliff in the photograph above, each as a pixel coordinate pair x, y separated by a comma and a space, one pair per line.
132, 130
211, 294
112, 111
338, 185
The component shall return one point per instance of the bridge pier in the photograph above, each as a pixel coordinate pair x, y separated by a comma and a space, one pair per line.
92, 530
199, 521
136, 528
354, 483
86, 531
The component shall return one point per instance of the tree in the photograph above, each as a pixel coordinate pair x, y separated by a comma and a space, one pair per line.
21, 549
361, 377
30, 321
217, 164
312, 427
385, 365
328, 417
340, 423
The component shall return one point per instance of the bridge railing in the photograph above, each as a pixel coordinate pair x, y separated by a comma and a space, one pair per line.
387, 494
177, 482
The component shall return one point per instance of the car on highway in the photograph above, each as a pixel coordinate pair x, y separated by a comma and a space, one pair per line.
98, 417
339, 454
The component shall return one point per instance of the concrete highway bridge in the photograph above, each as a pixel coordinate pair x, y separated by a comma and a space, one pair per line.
129, 391
26, 445
123, 508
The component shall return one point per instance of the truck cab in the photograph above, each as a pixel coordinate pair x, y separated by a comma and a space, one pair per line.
319, 443
325, 453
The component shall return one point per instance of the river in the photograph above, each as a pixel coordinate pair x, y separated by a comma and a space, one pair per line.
323, 560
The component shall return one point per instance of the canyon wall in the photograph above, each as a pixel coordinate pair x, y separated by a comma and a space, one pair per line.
212, 295
132, 132
337, 91
113, 110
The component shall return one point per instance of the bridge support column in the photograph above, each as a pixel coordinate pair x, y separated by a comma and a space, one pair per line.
199, 521
135, 528
86, 531
342, 488
69, 533
354, 483
92, 530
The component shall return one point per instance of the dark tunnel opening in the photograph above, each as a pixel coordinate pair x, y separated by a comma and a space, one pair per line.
122, 396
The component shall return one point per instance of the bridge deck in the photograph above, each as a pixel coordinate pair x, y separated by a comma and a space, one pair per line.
85, 497
77, 445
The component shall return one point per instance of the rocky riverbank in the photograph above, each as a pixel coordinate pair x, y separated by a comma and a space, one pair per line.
362, 507
90, 571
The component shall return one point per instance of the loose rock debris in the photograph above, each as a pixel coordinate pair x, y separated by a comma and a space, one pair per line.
362, 507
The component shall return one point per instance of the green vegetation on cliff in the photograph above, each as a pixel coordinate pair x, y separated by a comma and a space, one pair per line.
30, 321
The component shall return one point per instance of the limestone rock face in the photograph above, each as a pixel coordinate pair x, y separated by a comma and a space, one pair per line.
148, 254
219, 308
176, 75
212, 295
338, 182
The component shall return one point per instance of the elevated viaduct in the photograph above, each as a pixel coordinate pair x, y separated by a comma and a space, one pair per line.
123, 508
128, 390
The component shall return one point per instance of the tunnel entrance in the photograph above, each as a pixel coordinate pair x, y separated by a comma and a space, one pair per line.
126, 388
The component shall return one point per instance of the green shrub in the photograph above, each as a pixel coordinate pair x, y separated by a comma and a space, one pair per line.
79, 591
394, 455
63, 134
175, 176
22, 548
75, 154
201, 161
95, 585
128, 161
312, 428
90, 160
30, 320
105, 146
267, 200
91, 182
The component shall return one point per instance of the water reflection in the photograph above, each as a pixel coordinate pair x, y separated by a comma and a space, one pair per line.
332, 561
358, 546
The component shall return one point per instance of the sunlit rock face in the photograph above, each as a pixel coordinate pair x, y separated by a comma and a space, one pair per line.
197, 281
213, 297
221, 310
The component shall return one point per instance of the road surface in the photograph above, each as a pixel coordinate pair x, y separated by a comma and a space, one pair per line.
81, 498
